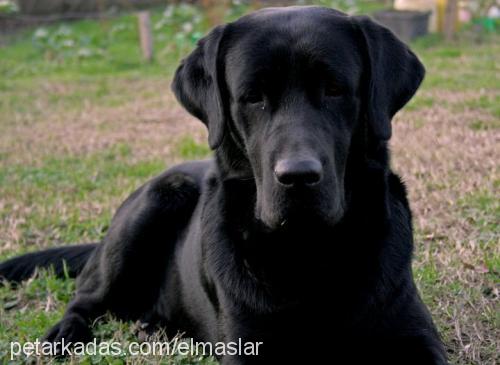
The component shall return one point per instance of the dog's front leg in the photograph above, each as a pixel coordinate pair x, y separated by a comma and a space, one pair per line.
126, 272
249, 335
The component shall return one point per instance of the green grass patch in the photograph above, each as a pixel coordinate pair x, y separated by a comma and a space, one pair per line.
461, 66
488, 103
480, 125
106, 47
189, 149
57, 188
420, 102
482, 209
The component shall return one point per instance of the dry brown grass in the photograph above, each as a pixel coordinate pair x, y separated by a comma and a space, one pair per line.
444, 162
150, 121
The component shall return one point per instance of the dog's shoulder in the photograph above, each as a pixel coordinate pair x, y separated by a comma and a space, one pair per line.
178, 185
194, 170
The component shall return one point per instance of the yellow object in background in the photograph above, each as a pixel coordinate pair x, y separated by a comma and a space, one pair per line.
441, 11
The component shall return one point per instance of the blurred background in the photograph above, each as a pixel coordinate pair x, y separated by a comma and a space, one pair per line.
86, 116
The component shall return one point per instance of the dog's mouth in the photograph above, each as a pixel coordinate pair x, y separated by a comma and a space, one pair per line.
293, 208
299, 221
288, 208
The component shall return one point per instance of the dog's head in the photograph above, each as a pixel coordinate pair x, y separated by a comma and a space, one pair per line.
285, 90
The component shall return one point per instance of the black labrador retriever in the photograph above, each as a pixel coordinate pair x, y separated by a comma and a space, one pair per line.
297, 234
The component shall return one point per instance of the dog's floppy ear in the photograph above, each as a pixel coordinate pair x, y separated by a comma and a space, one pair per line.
395, 74
197, 88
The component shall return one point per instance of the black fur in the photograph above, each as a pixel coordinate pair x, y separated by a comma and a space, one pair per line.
316, 266
65, 261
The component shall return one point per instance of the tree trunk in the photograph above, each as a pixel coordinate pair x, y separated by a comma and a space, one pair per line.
450, 19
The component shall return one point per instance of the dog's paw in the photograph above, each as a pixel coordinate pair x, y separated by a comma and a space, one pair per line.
70, 330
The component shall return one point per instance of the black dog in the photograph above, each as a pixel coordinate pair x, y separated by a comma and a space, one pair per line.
297, 234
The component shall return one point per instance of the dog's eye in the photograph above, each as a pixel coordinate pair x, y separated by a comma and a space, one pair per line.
253, 97
333, 90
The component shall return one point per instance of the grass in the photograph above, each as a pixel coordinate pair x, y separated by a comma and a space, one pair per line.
85, 121
189, 149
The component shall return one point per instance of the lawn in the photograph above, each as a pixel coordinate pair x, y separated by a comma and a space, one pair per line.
84, 121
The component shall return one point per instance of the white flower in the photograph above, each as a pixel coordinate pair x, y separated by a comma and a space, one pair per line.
68, 43
41, 33
64, 30
84, 52
169, 11
187, 27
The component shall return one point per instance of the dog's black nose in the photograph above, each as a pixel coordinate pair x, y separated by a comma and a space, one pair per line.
298, 172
